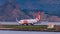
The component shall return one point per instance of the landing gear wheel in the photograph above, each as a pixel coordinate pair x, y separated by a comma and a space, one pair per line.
27, 24
24, 24
32, 24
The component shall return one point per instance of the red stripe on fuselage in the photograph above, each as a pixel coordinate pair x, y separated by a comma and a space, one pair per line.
25, 22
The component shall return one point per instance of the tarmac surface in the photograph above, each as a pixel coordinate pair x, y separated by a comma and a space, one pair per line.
42, 23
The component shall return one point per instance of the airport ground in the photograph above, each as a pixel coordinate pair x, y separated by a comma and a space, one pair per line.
37, 27
30, 28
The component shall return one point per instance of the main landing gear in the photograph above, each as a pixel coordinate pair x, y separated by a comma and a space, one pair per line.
27, 24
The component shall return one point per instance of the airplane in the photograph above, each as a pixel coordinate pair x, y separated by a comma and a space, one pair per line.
30, 21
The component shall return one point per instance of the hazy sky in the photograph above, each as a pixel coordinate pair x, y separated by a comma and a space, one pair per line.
46, 5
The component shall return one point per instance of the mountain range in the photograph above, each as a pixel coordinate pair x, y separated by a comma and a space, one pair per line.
11, 10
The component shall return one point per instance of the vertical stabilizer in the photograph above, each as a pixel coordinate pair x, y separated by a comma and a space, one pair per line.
38, 16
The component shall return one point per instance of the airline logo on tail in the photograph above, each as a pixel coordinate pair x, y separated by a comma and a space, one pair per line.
38, 16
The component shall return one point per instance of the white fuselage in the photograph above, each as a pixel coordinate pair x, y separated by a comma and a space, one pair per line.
27, 21
30, 21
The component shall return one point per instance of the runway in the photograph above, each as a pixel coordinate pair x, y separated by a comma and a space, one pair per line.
42, 23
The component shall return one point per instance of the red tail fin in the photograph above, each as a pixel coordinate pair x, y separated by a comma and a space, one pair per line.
38, 16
